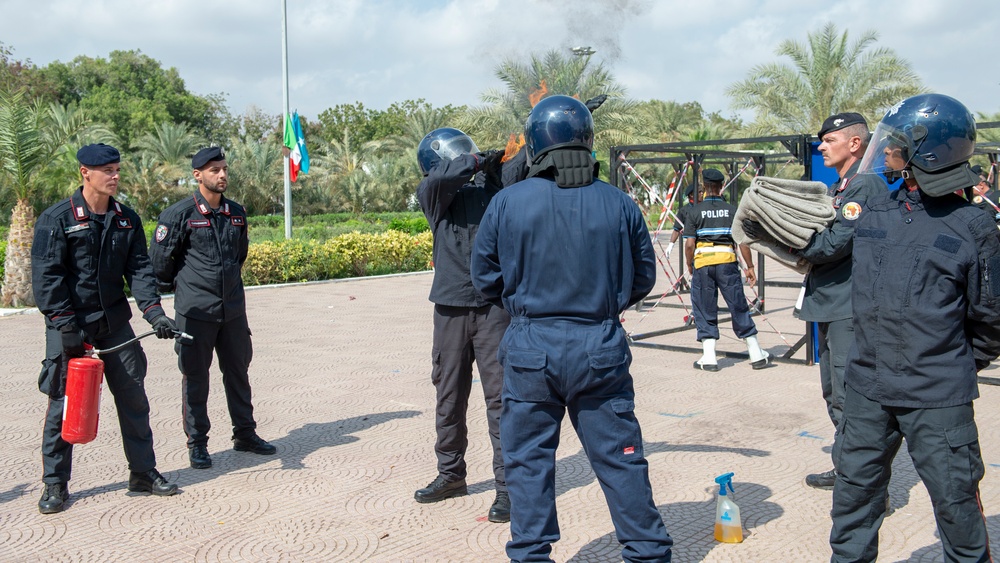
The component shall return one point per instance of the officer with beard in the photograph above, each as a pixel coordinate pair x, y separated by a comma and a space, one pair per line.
198, 250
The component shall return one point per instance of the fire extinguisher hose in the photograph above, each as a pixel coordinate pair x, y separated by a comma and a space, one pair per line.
95, 351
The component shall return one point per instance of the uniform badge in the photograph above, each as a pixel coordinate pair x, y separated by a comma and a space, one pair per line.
161, 233
851, 211
124, 223
238, 221
199, 223
837, 201
977, 200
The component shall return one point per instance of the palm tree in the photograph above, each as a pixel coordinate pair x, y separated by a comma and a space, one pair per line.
348, 171
171, 144
255, 175
148, 185
27, 145
550, 74
828, 76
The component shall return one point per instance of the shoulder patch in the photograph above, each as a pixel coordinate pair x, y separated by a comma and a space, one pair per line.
851, 211
161, 233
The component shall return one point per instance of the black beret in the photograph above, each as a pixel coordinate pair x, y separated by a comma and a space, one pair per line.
712, 175
839, 121
977, 169
98, 155
206, 155
689, 191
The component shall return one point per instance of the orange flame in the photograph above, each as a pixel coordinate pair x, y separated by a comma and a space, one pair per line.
513, 146
537, 95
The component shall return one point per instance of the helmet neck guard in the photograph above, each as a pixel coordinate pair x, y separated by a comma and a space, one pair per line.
571, 167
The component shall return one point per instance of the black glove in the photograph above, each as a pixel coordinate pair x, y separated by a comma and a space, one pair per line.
489, 161
752, 228
72, 340
164, 327
595, 102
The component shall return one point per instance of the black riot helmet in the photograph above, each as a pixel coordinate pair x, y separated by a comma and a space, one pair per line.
443, 144
929, 136
558, 122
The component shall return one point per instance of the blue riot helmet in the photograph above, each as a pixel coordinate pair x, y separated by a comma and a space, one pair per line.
443, 144
558, 122
929, 137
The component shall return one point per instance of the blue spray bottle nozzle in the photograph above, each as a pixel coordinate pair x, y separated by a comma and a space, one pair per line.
725, 481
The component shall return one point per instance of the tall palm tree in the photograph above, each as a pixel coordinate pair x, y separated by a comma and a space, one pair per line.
552, 73
61, 175
827, 76
347, 169
27, 145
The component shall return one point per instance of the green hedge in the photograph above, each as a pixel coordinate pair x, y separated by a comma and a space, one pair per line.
348, 255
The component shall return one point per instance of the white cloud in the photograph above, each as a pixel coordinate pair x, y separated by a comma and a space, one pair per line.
384, 51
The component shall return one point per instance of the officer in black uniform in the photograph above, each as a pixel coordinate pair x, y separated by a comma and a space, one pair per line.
710, 253
86, 248
682, 217
827, 300
926, 319
565, 253
459, 182
198, 251
983, 196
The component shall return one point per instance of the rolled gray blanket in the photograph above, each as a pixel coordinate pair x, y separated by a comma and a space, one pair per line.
791, 211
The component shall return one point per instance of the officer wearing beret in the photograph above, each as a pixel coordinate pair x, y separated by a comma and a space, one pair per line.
198, 250
827, 301
86, 247
983, 196
710, 252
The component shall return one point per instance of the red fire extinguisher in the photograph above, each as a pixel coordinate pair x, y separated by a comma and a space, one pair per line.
82, 406
84, 381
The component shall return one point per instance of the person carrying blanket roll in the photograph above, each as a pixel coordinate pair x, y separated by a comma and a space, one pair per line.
711, 257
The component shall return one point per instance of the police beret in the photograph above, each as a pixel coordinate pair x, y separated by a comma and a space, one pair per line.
206, 155
977, 169
712, 175
689, 191
839, 121
98, 155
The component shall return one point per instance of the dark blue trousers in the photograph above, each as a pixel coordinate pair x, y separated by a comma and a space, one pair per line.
944, 445
706, 283
556, 366
231, 342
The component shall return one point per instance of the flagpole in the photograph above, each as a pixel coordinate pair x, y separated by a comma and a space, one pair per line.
284, 116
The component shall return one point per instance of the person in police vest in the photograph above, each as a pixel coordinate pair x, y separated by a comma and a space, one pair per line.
198, 250
711, 257
86, 248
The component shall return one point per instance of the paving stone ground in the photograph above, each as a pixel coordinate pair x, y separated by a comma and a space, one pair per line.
342, 388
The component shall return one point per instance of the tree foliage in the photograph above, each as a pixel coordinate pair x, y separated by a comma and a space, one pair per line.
828, 75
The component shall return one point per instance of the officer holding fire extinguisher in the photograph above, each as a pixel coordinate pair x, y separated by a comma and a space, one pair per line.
86, 247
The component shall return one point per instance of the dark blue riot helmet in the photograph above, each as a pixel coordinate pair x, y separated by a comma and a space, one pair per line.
443, 144
558, 122
930, 137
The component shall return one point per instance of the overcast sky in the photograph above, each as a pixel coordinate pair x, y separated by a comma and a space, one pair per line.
445, 51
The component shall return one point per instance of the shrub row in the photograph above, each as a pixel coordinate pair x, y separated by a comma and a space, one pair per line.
348, 255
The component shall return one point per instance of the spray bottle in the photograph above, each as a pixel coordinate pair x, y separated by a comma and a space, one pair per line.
728, 527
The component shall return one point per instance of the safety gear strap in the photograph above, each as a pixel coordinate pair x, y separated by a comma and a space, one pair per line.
710, 254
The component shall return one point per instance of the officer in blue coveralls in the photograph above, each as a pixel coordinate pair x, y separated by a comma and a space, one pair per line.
926, 299
565, 253
711, 256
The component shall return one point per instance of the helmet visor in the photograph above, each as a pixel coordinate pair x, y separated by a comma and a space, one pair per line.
888, 154
455, 146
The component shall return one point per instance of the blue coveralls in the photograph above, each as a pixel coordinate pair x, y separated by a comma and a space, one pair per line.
565, 262
926, 316
712, 220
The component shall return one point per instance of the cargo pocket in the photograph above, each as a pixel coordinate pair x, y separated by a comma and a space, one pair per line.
50, 379
524, 375
965, 465
627, 430
607, 366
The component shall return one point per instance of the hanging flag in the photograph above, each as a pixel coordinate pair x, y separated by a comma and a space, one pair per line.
292, 144
301, 140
